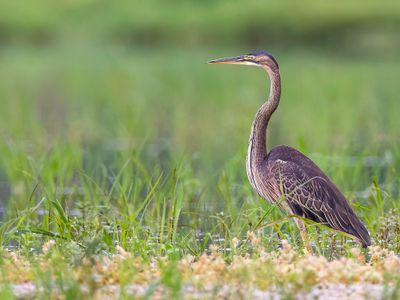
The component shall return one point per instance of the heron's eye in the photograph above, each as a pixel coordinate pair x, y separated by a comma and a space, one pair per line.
250, 57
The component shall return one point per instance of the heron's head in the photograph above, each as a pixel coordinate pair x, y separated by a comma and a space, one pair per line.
259, 58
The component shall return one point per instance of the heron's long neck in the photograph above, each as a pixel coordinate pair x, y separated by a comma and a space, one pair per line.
257, 151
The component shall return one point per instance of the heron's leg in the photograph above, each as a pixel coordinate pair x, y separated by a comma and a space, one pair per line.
304, 236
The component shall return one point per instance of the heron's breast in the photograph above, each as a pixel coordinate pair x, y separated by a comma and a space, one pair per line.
263, 182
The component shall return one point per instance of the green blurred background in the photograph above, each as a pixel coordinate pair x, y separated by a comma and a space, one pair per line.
83, 82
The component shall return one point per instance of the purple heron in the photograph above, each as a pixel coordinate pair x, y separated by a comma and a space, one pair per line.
286, 176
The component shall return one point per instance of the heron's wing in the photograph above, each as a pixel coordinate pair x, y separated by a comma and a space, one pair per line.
310, 193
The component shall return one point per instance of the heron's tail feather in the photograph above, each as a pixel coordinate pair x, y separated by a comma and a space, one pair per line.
360, 232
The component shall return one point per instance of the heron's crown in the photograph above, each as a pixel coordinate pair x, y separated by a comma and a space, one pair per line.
262, 53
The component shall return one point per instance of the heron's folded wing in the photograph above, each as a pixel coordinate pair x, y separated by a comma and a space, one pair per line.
315, 197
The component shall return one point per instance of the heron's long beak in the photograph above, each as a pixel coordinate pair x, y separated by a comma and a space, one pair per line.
236, 60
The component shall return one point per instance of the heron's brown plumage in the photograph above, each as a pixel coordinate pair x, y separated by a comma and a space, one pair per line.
310, 193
